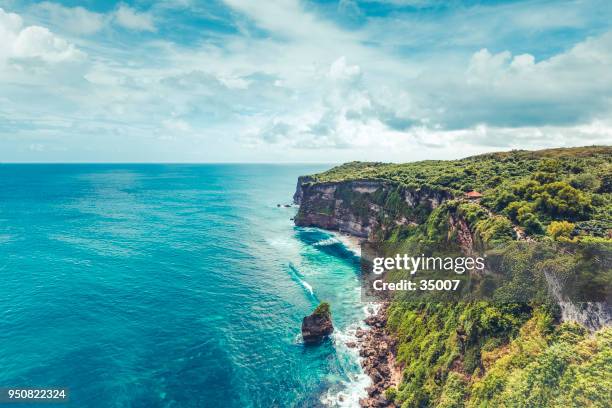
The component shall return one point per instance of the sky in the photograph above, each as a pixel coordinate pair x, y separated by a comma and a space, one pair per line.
300, 81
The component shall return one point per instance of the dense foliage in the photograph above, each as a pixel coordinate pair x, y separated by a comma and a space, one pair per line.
531, 189
322, 310
503, 354
478, 355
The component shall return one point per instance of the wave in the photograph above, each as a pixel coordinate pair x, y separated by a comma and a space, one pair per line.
347, 392
354, 388
5, 238
331, 241
298, 277
327, 242
350, 243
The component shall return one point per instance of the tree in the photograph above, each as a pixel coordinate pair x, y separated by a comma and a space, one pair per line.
531, 223
606, 183
560, 230
585, 182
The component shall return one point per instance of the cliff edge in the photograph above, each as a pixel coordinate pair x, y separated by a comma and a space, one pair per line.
478, 354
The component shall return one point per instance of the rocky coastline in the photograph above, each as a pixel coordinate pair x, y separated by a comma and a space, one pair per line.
321, 206
378, 350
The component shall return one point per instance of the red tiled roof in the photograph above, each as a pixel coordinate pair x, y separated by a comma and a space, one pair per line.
473, 194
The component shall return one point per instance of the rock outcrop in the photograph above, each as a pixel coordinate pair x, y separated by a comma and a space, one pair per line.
317, 326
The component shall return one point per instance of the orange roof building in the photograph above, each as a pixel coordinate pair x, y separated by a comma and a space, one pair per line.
473, 195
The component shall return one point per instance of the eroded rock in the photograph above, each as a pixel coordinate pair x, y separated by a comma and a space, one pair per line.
317, 326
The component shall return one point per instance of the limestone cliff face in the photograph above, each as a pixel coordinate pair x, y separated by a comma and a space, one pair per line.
361, 207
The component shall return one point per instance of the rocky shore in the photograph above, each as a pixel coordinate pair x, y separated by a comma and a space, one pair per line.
378, 350
330, 206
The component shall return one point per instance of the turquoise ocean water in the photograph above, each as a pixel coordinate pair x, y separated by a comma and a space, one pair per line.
170, 286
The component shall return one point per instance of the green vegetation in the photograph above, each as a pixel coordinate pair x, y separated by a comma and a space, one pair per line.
441, 347
531, 189
487, 171
322, 309
560, 230
546, 366
481, 354
502, 354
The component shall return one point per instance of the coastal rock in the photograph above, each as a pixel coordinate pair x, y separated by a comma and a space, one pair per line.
318, 325
377, 349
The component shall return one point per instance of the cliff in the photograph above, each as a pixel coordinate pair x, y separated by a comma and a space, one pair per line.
477, 354
364, 208
532, 189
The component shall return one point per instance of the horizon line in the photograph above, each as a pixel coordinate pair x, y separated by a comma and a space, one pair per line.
177, 163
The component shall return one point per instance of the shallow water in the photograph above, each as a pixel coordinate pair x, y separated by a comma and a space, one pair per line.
170, 286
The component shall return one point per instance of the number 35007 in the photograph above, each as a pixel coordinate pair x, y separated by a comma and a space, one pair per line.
439, 284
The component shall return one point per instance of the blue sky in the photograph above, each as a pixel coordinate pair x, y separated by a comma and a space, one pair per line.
300, 81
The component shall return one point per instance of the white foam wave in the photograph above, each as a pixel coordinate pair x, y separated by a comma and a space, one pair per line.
297, 276
306, 285
350, 243
371, 309
282, 243
353, 389
327, 242
349, 396
348, 392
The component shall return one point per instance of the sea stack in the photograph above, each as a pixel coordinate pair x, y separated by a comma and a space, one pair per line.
318, 325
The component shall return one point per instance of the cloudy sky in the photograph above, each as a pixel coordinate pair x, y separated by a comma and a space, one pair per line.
300, 81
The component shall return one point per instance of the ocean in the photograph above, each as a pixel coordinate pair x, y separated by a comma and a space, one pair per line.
171, 286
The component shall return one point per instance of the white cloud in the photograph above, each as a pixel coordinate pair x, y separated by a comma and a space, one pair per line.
79, 20
129, 18
486, 67
21, 42
35, 41
303, 89
284, 17
499, 98
340, 71
345, 115
572, 87
37, 147
76, 20
349, 8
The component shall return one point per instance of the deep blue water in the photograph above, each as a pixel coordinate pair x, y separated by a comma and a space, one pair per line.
168, 286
